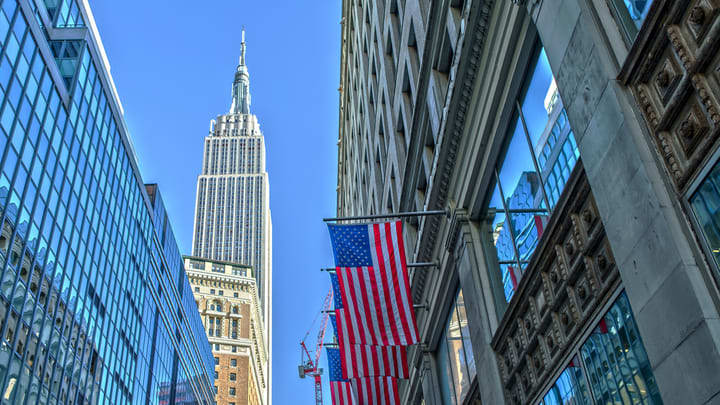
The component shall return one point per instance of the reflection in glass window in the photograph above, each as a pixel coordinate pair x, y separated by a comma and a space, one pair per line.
455, 358
706, 205
539, 157
617, 365
632, 14
611, 367
638, 10
570, 388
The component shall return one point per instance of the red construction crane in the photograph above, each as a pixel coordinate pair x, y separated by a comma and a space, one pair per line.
309, 364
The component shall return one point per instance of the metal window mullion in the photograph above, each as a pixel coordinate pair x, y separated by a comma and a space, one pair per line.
462, 340
508, 219
451, 383
619, 375
532, 154
585, 373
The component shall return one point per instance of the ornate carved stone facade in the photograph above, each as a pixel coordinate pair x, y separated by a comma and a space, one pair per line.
674, 73
226, 295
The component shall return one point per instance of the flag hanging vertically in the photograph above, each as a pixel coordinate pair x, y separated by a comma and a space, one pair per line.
369, 360
376, 391
337, 297
374, 286
340, 388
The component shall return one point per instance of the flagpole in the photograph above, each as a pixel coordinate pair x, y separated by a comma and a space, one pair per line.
416, 306
395, 215
420, 265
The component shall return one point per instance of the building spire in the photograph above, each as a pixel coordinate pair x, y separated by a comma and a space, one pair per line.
242, 47
241, 84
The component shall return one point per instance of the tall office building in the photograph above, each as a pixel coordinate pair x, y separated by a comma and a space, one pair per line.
226, 295
576, 146
232, 210
95, 306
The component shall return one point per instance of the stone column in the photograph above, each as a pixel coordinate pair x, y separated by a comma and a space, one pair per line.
430, 385
479, 306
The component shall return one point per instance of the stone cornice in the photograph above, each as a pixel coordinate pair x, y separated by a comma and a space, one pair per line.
226, 278
451, 131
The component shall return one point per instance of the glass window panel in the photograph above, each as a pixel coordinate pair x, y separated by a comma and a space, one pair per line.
570, 388
516, 234
12, 48
537, 97
4, 26
457, 356
447, 388
706, 205
456, 365
631, 15
5, 73
615, 359
517, 173
464, 329
20, 26
638, 10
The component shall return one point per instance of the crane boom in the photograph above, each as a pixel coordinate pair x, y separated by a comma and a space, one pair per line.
310, 366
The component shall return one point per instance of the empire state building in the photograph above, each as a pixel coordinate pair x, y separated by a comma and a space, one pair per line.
232, 212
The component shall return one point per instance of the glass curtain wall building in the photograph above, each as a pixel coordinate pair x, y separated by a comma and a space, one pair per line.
95, 306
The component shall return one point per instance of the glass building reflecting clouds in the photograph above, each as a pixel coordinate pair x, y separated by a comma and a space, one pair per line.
95, 306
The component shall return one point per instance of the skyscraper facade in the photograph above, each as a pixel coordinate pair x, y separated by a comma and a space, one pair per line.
574, 148
95, 306
232, 209
226, 295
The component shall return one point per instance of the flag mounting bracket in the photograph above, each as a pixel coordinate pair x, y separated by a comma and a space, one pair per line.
395, 215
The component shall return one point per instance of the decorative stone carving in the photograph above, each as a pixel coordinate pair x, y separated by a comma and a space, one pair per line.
573, 271
673, 75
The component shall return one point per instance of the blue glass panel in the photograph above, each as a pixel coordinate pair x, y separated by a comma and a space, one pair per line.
706, 205
4, 26
533, 104
638, 10
570, 388
616, 362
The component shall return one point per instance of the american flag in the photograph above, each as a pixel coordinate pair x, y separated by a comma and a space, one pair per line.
376, 391
337, 297
369, 360
334, 324
340, 388
374, 285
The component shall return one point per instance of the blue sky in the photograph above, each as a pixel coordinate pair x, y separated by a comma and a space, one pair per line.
173, 64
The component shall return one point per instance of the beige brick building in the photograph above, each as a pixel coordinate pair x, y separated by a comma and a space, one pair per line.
227, 298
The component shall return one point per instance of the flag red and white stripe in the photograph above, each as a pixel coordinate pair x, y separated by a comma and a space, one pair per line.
376, 391
377, 297
341, 393
369, 360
